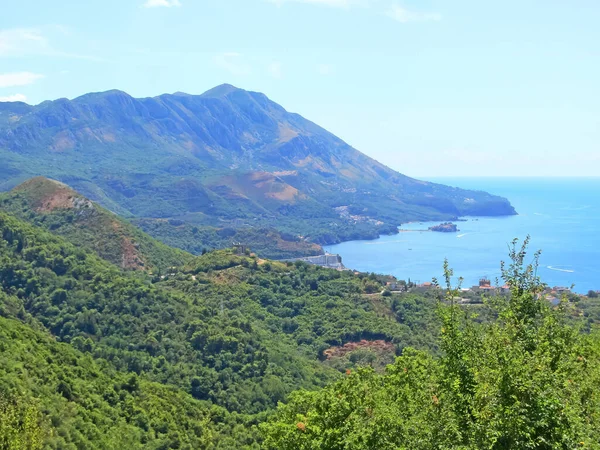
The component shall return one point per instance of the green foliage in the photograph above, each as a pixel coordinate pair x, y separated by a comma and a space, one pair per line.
418, 312
20, 427
88, 225
367, 411
528, 380
87, 404
265, 242
235, 333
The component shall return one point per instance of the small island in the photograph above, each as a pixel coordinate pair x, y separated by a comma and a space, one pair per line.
446, 227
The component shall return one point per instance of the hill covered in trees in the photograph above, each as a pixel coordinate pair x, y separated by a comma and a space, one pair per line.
56, 207
200, 356
228, 335
61, 210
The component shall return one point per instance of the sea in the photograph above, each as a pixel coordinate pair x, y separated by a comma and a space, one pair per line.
561, 216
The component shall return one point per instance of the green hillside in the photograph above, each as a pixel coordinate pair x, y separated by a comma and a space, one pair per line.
265, 242
234, 332
234, 351
82, 403
528, 380
57, 208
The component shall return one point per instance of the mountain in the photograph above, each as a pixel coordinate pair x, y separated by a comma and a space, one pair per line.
213, 159
59, 209
265, 242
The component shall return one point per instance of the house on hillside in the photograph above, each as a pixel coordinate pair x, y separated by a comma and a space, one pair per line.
426, 286
394, 286
241, 249
485, 285
561, 290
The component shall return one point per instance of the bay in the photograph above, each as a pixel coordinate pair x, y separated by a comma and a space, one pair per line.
562, 216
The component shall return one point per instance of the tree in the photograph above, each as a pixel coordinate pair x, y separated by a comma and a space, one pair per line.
528, 380
20, 427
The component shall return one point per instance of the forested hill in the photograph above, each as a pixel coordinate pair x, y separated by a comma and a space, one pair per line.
54, 396
59, 209
94, 356
223, 157
229, 336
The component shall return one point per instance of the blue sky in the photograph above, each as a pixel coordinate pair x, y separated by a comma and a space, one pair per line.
428, 87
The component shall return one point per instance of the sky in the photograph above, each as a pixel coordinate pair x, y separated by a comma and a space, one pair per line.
429, 87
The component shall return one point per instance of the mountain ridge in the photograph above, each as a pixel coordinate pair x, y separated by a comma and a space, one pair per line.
225, 155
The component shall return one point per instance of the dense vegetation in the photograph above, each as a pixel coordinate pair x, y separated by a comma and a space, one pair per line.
197, 239
199, 356
19, 424
528, 380
234, 332
59, 209
66, 400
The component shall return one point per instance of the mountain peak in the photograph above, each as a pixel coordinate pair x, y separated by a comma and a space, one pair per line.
45, 194
112, 96
222, 90
38, 183
114, 92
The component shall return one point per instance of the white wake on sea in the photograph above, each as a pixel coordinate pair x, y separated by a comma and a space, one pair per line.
560, 270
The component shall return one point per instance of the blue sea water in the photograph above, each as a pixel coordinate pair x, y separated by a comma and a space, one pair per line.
562, 216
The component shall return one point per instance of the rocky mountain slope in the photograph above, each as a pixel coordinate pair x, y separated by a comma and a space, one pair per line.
224, 156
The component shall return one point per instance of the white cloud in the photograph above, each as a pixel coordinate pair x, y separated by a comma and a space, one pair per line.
14, 98
403, 15
395, 11
161, 3
325, 69
22, 41
331, 3
233, 63
275, 70
18, 79
19, 42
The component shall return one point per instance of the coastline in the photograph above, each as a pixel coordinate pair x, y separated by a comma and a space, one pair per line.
560, 215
